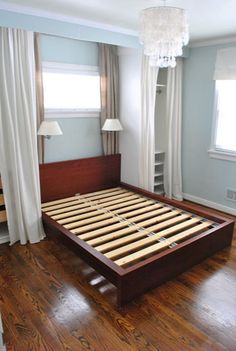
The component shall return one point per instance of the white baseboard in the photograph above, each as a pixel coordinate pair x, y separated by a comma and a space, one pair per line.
4, 239
210, 204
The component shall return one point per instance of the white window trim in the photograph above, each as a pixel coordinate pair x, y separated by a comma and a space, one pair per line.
222, 155
72, 113
75, 69
69, 68
214, 152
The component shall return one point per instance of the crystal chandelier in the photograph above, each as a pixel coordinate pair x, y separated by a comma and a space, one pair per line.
163, 32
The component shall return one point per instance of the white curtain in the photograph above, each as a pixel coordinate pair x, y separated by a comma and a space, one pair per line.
172, 172
147, 146
18, 142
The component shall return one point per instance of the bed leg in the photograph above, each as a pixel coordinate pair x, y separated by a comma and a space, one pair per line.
125, 292
121, 294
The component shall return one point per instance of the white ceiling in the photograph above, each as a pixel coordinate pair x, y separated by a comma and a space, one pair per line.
209, 19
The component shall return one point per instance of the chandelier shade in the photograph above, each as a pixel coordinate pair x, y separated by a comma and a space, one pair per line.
163, 32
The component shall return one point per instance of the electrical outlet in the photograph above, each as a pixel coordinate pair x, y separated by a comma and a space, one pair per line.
231, 194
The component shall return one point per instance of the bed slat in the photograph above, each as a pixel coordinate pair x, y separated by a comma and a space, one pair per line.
99, 204
141, 234
81, 199
165, 244
96, 215
147, 241
103, 196
67, 209
103, 191
89, 228
114, 227
75, 212
61, 201
55, 202
117, 234
140, 211
91, 213
85, 222
139, 200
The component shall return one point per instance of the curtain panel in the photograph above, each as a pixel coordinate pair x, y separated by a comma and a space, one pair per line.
173, 165
109, 89
39, 94
147, 146
18, 141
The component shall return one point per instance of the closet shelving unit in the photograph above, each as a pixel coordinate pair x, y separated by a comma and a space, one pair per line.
159, 172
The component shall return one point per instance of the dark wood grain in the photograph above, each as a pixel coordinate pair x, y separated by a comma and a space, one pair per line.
51, 300
64, 179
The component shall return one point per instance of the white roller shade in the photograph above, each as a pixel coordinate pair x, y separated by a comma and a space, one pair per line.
225, 68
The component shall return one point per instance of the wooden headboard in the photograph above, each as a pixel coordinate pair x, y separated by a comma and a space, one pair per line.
63, 179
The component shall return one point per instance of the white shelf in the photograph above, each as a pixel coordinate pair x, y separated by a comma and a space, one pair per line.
159, 159
158, 183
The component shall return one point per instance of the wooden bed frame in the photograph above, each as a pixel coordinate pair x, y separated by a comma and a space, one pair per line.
134, 238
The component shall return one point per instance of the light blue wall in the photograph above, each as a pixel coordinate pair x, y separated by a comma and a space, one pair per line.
58, 49
65, 29
81, 136
203, 177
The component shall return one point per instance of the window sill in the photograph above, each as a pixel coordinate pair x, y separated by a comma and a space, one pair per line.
222, 155
78, 113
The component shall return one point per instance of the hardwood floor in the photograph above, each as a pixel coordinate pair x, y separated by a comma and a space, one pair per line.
51, 300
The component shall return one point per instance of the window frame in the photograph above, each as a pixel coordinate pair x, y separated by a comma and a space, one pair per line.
214, 151
57, 67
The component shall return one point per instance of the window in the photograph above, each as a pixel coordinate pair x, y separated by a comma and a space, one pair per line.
223, 143
71, 90
224, 131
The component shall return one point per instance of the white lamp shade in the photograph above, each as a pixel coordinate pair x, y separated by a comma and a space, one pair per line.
48, 128
112, 125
